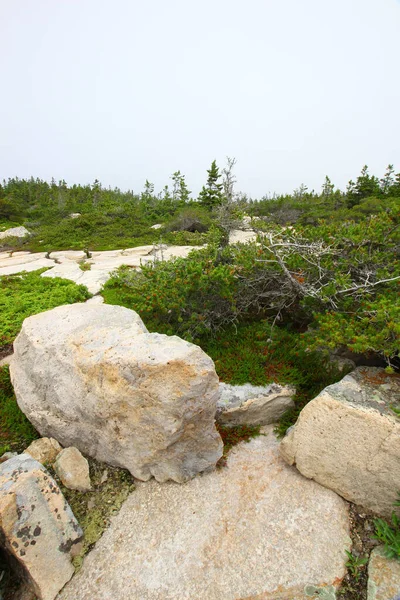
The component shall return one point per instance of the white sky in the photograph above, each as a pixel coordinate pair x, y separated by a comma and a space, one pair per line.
124, 90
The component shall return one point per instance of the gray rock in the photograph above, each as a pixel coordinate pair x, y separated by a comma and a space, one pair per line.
73, 470
253, 405
37, 527
348, 439
383, 576
256, 529
19, 232
92, 377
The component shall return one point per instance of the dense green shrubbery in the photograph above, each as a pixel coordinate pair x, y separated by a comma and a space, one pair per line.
27, 294
341, 280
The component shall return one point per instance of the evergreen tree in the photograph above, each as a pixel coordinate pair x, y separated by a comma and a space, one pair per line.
387, 180
180, 191
366, 186
211, 195
327, 187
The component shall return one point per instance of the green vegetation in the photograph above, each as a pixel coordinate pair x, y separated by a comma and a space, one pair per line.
265, 311
355, 564
110, 488
27, 294
389, 534
84, 265
16, 432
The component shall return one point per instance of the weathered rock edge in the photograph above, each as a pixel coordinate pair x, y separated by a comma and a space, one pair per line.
253, 405
92, 377
37, 527
348, 439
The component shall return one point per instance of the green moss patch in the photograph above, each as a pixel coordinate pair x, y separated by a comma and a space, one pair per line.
94, 509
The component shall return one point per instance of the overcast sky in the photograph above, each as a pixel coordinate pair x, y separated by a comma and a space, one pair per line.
128, 90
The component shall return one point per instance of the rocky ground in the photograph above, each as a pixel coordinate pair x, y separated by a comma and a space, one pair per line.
254, 529
92, 271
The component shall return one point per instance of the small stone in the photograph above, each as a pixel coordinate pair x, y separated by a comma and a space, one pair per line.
383, 576
73, 470
44, 450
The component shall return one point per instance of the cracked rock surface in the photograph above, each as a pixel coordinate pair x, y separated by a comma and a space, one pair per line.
255, 529
66, 264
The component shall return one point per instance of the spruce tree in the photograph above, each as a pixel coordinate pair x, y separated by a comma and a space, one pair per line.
211, 195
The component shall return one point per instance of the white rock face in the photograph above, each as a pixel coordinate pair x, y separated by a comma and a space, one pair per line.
19, 232
348, 439
253, 405
256, 529
37, 526
73, 470
93, 377
45, 450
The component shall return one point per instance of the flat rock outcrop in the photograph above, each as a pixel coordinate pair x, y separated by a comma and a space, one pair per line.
253, 405
66, 264
91, 376
37, 527
348, 439
255, 529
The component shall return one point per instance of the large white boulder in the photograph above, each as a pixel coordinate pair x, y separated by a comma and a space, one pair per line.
348, 439
37, 527
92, 377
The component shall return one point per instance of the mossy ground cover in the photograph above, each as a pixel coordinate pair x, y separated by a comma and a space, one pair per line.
27, 294
110, 488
